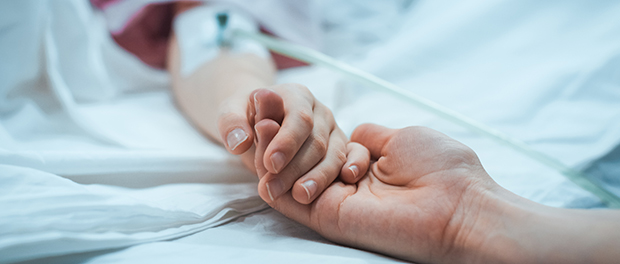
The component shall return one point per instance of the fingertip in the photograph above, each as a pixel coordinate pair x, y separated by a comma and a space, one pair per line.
373, 137
235, 132
266, 130
238, 140
286, 204
267, 104
358, 161
305, 192
270, 106
349, 173
355, 171
360, 131
263, 190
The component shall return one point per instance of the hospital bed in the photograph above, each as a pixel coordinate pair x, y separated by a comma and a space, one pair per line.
97, 165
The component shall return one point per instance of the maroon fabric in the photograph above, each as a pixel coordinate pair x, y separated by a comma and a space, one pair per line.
283, 62
102, 4
148, 32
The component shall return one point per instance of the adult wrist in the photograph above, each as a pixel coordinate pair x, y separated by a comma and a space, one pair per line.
490, 230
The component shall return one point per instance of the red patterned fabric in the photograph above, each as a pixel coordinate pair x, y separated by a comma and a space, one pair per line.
102, 4
147, 32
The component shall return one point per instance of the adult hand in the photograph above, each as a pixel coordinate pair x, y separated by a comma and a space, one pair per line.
418, 201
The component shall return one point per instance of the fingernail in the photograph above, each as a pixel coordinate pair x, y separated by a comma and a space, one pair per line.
256, 135
274, 188
354, 170
235, 138
277, 161
255, 104
310, 186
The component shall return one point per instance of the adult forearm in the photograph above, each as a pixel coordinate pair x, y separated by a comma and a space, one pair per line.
511, 229
576, 236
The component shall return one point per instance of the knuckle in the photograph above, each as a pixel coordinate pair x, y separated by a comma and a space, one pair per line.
299, 87
463, 155
304, 91
325, 113
328, 112
294, 170
323, 178
290, 141
319, 143
341, 156
306, 118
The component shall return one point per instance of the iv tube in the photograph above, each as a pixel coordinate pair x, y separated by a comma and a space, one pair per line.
314, 57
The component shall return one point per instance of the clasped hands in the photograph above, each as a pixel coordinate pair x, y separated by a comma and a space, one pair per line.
405, 193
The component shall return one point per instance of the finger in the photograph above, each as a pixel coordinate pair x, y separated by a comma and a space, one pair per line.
287, 205
234, 127
373, 137
265, 130
249, 160
298, 122
312, 151
312, 184
322, 215
358, 160
267, 105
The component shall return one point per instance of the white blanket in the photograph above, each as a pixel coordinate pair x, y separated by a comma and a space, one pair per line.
43, 214
83, 122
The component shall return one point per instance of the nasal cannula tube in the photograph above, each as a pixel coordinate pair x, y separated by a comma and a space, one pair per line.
314, 57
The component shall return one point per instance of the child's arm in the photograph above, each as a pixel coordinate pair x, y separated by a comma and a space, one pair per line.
218, 92
218, 99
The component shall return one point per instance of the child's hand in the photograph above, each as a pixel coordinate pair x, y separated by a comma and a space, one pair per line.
300, 147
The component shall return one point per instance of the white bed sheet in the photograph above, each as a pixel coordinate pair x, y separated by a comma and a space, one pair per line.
84, 162
46, 215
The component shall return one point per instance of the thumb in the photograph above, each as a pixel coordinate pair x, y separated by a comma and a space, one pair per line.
238, 115
373, 137
234, 128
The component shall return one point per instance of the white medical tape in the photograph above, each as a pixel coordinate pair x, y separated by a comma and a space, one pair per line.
197, 31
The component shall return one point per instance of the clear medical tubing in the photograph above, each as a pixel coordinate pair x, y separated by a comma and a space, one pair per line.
314, 57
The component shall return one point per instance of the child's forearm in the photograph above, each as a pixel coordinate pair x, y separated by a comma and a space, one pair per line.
222, 98
217, 86
227, 77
